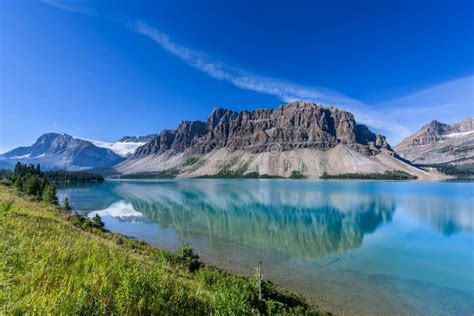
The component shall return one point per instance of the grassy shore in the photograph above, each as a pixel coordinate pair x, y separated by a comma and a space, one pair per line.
56, 262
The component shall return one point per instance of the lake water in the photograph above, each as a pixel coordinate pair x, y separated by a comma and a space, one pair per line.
352, 247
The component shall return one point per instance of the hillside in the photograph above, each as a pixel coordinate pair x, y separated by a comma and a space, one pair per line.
56, 262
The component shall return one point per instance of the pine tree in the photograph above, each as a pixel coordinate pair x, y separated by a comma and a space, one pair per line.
97, 220
49, 194
32, 185
66, 206
18, 184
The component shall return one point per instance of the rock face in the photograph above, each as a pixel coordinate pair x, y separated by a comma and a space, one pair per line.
137, 139
299, 136
61, 151
175, 141
296, 125
437, 143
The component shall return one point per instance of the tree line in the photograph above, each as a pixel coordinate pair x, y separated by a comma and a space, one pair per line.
29, 179
387, 175
72, 176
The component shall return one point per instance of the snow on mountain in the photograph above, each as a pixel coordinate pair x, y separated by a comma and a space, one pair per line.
61, 151
460, 134
122, 148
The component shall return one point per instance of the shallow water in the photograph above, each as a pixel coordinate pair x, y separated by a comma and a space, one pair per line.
352, 247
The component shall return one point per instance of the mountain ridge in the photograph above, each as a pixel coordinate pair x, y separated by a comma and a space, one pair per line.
300, 137
62, 151
440, 143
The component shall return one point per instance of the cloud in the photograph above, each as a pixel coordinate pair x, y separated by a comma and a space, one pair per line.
456, 95
448, 101
284, 90
70, 6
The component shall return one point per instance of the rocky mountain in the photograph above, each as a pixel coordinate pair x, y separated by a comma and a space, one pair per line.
173, 141
137, 139
61, 151
297, 137
439, 143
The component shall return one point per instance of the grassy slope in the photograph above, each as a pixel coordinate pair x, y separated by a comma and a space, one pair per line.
50, 265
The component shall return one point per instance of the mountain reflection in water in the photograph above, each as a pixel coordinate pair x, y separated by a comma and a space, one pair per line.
299, 223
382, 247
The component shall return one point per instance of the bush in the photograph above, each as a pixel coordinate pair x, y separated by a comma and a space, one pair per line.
187, 257
97, 221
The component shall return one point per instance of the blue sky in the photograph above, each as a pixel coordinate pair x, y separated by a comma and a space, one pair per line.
102, 71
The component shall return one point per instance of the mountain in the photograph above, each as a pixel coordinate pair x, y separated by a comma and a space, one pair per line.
126, 145
297, 138
173, 141
61, 151
439, 143
137, 139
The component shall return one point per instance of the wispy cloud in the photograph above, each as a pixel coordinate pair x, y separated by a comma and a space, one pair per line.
448, 102
284, 90
71, 6
412, 110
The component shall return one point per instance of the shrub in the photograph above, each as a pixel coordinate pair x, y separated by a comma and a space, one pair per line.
187, 256
97, 221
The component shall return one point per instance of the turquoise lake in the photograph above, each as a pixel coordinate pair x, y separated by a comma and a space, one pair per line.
352, 247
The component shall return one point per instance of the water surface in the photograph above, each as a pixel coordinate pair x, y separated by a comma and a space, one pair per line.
353, 247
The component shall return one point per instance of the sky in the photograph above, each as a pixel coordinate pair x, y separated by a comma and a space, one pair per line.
102, 69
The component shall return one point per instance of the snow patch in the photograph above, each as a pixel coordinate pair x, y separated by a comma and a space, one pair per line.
460, 134
21, 157
123, 149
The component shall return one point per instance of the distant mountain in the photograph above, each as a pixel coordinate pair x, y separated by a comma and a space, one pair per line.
137, 139
61, 151
439, 143
297, 138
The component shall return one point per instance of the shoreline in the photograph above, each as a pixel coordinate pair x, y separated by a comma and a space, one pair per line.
75, 245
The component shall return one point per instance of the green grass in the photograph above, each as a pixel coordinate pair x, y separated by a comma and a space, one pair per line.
55, 262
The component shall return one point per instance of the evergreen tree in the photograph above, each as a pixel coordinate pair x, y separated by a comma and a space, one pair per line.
66, 206
18, 184
32, 185
17, 171
49, 194
97, 220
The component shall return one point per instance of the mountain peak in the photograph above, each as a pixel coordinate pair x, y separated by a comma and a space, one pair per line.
62, 151
137, 139
294, 125
438, 142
